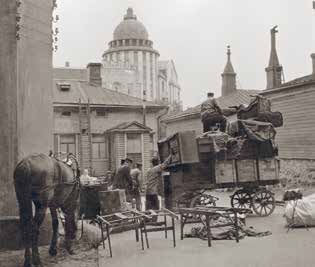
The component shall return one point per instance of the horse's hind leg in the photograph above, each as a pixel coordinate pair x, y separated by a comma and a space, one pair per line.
26, 217
40, 211
53, 244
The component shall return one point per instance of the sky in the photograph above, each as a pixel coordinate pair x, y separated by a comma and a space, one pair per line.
195, 33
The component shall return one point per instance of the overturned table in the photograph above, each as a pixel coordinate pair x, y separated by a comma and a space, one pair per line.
204, 215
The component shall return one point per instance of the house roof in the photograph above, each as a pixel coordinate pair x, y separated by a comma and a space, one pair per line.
95, 95
70, 73
300, 80
293, 84
133, 126
235, 99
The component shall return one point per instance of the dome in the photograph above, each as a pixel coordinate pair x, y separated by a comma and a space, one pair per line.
130, 28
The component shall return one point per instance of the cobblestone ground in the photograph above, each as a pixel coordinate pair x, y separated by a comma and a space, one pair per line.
281, 249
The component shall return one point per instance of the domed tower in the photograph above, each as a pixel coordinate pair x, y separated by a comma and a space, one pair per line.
132, 52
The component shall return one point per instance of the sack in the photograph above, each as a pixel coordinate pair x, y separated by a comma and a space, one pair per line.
301, 212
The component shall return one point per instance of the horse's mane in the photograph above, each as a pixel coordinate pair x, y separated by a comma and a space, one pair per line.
69, 156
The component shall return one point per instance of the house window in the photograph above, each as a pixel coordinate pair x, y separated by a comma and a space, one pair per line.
66, 113
133, 143
98, 147
67, 143
64, 87
101, 113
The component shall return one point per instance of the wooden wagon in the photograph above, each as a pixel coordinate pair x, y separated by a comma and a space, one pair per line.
193, 168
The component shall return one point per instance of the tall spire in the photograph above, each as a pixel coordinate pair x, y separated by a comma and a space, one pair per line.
274, 69
228, 76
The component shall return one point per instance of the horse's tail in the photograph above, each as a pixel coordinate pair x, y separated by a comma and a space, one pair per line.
23, 190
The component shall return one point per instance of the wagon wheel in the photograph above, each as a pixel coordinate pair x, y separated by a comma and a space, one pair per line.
263, 202
241, 199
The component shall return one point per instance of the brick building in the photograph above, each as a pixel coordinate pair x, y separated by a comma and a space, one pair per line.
99, 125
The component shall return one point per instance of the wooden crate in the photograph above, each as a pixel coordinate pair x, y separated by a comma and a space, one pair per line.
225, 172
112, 201
182, 146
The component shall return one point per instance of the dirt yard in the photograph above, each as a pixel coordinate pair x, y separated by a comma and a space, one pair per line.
281, 249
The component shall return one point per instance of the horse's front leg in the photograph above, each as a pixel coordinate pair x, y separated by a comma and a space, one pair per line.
53, 244
40, 211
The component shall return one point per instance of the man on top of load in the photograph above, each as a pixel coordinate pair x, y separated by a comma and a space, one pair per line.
211, 114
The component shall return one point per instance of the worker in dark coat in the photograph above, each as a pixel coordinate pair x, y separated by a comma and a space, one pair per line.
122, 179
211, 114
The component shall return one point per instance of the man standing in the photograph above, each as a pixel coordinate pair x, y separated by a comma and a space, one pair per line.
122, 179
154, 185
211, 114
135, 174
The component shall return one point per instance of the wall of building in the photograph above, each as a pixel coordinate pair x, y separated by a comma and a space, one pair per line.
137, 66
113, 117
8, 106
188, 124
64, 125
296, 138
297, 172
25, 80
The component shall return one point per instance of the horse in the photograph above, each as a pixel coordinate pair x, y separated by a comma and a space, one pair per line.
48, 183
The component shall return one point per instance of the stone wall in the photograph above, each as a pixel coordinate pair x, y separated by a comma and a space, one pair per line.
300, 172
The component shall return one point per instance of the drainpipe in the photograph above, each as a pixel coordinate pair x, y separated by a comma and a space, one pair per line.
159, 121
144, 113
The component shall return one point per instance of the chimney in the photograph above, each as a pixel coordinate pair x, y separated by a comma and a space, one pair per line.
67, 64
94, 74
313, 62
228, 76
274, 69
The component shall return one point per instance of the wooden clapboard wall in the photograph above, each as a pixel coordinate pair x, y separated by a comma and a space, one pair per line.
296, 139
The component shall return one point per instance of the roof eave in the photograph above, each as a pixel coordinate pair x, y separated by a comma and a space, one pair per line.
279, 89
57, 104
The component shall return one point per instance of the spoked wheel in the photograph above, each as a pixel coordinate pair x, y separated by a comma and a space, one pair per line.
263, 202
241, 199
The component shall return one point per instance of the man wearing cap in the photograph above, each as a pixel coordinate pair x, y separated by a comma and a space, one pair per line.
211, 114
122, 179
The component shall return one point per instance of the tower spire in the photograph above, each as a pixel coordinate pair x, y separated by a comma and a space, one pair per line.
274, 69
228, 76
